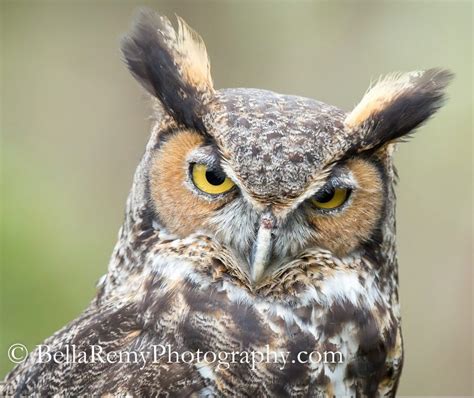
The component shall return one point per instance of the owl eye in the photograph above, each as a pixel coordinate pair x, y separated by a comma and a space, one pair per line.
211, 181
331, 198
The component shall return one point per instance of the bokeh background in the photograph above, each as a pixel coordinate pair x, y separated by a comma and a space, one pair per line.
74, 125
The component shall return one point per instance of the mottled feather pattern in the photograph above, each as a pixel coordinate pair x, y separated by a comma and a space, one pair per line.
183, 270
185, 296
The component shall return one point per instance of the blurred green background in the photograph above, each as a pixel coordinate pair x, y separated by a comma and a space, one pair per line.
74, 125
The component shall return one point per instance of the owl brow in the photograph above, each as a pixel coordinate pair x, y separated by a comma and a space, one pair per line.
168, 132
206, 154
164, 136
339, 176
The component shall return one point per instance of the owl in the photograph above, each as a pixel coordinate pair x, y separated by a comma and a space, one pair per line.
259, 232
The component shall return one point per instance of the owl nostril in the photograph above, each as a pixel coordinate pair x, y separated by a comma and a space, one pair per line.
268, 220
266, 223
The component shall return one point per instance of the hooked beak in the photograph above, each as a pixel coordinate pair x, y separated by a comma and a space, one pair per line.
263, 246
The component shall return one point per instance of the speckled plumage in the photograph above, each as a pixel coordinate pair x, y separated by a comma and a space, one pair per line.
181, 272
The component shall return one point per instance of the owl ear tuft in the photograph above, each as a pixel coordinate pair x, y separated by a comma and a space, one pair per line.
396, 105
170, 64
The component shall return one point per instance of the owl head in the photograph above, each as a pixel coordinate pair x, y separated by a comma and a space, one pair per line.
266, 176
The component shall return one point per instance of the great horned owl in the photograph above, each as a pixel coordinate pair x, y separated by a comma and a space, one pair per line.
257, 222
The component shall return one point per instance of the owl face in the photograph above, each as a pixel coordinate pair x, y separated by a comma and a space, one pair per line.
263, 194
268, 176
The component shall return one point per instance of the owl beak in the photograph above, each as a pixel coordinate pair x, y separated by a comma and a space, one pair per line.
262, 247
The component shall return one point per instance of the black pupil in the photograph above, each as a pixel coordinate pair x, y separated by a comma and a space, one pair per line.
325, 196
215, 177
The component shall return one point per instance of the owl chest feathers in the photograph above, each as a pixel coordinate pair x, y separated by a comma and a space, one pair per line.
279, 214
339, 314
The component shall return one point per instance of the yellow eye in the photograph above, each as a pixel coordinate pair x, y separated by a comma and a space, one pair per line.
211, 181
331, 198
